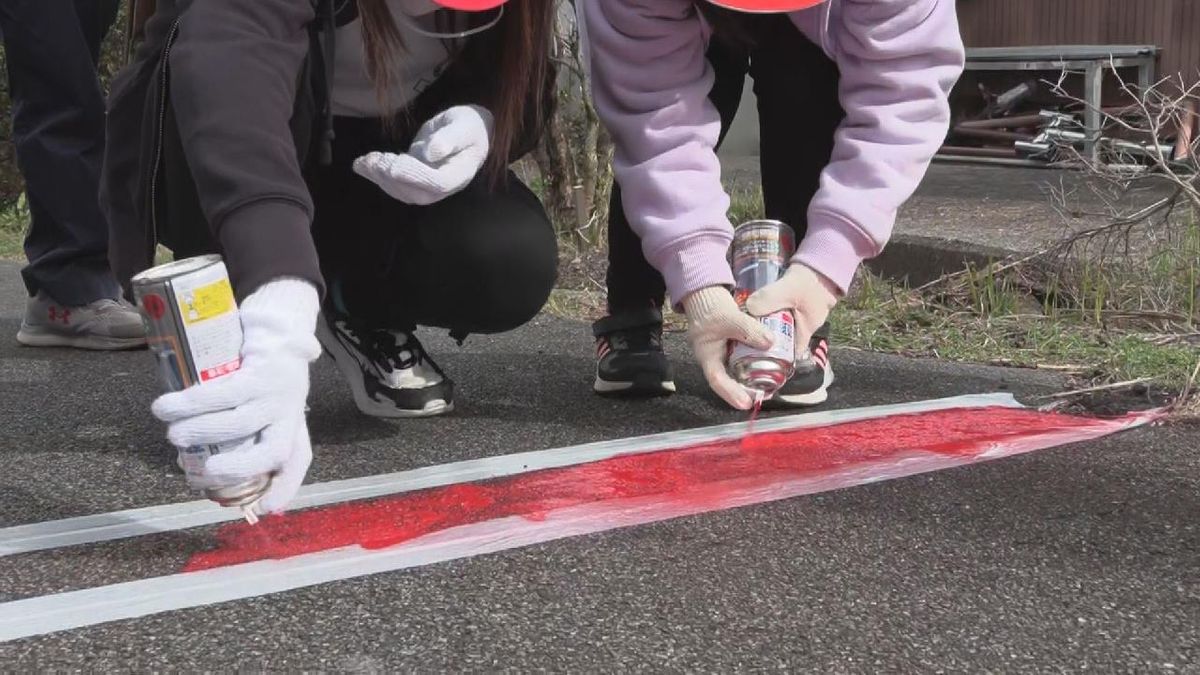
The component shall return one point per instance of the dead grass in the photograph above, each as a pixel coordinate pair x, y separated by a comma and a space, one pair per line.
998, 325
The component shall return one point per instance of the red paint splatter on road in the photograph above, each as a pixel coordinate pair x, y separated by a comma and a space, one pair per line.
698, 474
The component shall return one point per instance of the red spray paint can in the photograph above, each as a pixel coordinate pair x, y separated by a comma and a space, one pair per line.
760, 254
195, 333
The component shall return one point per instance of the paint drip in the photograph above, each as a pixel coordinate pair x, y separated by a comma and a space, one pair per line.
755, 410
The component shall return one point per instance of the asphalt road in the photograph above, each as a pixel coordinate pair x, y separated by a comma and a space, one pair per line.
1080, 557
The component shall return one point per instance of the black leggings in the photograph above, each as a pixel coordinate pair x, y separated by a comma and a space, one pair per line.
798, 111
481, 261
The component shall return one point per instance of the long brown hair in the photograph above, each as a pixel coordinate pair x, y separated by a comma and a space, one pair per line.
523, 39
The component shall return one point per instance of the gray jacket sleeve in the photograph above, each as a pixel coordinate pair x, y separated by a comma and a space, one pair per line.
234, 69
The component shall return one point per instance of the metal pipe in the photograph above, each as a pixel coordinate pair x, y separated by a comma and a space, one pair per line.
1014, 122
961, 151
1033, 149
1063, 136
992, 134
1056, 116
1136, 148
994, 161
1009, 99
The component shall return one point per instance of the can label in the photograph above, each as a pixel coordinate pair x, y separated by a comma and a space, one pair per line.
783, 326
210, 322
759, 256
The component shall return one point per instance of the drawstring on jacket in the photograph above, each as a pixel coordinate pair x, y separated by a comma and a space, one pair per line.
328, 20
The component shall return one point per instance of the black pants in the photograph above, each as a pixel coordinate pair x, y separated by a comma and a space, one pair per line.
481, 261
52, 48
798, 111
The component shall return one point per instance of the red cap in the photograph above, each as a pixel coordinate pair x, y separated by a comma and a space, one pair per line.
766, 6
470, 5
763, 6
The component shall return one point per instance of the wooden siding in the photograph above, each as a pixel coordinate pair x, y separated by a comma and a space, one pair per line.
1172, 25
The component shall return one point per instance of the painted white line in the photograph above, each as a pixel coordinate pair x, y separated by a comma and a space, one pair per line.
171, 517
77, 609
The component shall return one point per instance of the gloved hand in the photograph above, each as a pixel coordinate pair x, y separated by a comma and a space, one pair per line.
806, 292
444, 158
267, 394
713, 320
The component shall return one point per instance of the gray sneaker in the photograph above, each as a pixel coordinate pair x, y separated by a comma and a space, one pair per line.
104, 324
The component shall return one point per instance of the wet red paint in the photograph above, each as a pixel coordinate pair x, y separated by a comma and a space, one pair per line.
754, 412
696, 474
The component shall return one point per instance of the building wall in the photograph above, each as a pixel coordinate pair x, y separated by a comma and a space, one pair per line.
1172, 25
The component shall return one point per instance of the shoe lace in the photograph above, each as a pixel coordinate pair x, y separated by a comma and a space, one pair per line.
635, 340
400, 354
399, 350
108, 305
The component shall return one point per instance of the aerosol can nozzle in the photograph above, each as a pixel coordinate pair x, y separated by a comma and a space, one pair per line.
249, 514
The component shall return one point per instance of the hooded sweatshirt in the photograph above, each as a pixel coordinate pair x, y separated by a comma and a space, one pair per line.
898, 60
214, 122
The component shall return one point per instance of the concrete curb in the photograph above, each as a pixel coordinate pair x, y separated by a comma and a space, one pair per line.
917, 259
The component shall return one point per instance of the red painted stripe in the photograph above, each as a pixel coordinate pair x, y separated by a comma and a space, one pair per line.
700, 473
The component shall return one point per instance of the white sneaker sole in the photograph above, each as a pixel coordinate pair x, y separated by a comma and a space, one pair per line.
605, 387
812, 398
90, 342
352, 371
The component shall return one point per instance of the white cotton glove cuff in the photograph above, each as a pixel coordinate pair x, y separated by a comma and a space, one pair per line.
714, 319
710, 305
713, 311
280, 318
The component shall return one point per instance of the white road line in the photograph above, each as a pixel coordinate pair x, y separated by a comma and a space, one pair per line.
171, 517
77, 609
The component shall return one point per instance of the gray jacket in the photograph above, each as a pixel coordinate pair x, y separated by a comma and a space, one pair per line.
222, 87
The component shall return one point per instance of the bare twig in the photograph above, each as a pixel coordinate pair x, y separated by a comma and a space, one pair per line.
1174, 338
1065, 368
1116, 386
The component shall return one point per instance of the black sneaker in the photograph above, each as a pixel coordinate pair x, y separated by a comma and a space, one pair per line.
629, 355
810, 385
389, 372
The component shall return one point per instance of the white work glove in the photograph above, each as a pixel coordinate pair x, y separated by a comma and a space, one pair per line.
809, 295
713, 320
267, 394
444, 158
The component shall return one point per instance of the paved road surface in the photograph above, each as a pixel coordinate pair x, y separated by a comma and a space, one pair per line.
1085, 556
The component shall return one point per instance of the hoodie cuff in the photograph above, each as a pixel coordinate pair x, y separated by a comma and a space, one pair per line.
694, 263
281, 317
266, 240
834, 248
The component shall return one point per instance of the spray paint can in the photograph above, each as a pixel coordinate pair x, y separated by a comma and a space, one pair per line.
759, 255
195, 334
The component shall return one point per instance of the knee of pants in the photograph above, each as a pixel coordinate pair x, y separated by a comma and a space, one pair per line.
512, 271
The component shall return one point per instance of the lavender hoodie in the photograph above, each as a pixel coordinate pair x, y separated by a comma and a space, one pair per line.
898, 60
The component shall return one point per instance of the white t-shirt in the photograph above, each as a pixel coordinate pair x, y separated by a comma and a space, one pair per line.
415, 67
